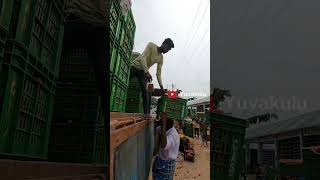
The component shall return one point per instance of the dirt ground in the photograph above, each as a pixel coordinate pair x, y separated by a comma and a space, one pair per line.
199, 169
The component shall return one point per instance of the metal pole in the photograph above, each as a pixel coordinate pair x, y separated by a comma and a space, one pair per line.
276, 144
301, 143
260, 153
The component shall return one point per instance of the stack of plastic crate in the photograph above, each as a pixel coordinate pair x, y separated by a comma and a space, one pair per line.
122, 38
5, 21
227, 146
134, 102
31, 33
77, 113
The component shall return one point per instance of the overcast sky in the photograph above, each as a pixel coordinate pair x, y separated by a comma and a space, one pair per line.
187, 66
266, 48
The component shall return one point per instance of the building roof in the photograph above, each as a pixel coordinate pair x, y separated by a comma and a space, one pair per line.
310, 119
199, 101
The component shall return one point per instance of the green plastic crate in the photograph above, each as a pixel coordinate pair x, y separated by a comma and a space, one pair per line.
79, 141
78, 115
76, 101
120, 65
118, 95
115, 15
27, 95
130, 24
76, 143
114, 48
227, 146
39, 27
309, 155
100, 153
312, 163
76, 67
128, 33
7, 8
134, 93
175, 107
120, 21
100, 147
134, 89
126, 43
123, 69
134, 105
1, 54
120, 28
134, 102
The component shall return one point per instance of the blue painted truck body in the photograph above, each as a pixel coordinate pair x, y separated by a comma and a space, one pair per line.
133, 158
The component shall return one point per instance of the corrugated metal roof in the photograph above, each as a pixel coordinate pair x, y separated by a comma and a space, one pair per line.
199, 101
306, 120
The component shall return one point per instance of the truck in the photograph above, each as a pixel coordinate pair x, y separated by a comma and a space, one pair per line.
131, 146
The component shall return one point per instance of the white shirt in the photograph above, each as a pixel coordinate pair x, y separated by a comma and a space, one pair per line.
170, 152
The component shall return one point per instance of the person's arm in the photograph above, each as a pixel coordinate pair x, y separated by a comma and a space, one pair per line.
164, 131
144, 55
157, 140
170, 142
159, 68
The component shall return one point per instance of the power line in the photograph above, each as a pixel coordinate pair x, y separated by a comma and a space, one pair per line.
203, 36
199, 50
200, 23
194, 19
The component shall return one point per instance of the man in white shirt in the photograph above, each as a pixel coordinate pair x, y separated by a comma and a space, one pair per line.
169, 141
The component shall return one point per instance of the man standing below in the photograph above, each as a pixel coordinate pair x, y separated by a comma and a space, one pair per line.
258, 172
141, 65
203, 131
169, 142
196, 128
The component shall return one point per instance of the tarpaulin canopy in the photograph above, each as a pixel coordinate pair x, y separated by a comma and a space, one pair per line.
306, 120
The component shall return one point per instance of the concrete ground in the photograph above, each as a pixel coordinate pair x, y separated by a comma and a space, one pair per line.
200, 169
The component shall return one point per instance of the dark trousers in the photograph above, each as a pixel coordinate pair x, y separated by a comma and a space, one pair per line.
95, 41
146, 96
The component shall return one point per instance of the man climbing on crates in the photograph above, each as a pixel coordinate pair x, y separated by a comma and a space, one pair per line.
167, 149
141, 65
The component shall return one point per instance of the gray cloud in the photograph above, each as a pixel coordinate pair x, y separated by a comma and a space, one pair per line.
267, 48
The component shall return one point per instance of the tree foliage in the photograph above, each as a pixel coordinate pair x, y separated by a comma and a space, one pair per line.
219, 96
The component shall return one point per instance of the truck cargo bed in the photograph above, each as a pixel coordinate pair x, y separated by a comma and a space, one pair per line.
17, 170
131, 146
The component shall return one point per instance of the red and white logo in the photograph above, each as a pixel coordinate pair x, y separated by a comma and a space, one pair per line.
172, 94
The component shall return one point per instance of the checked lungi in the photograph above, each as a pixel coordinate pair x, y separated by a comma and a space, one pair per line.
163, 169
